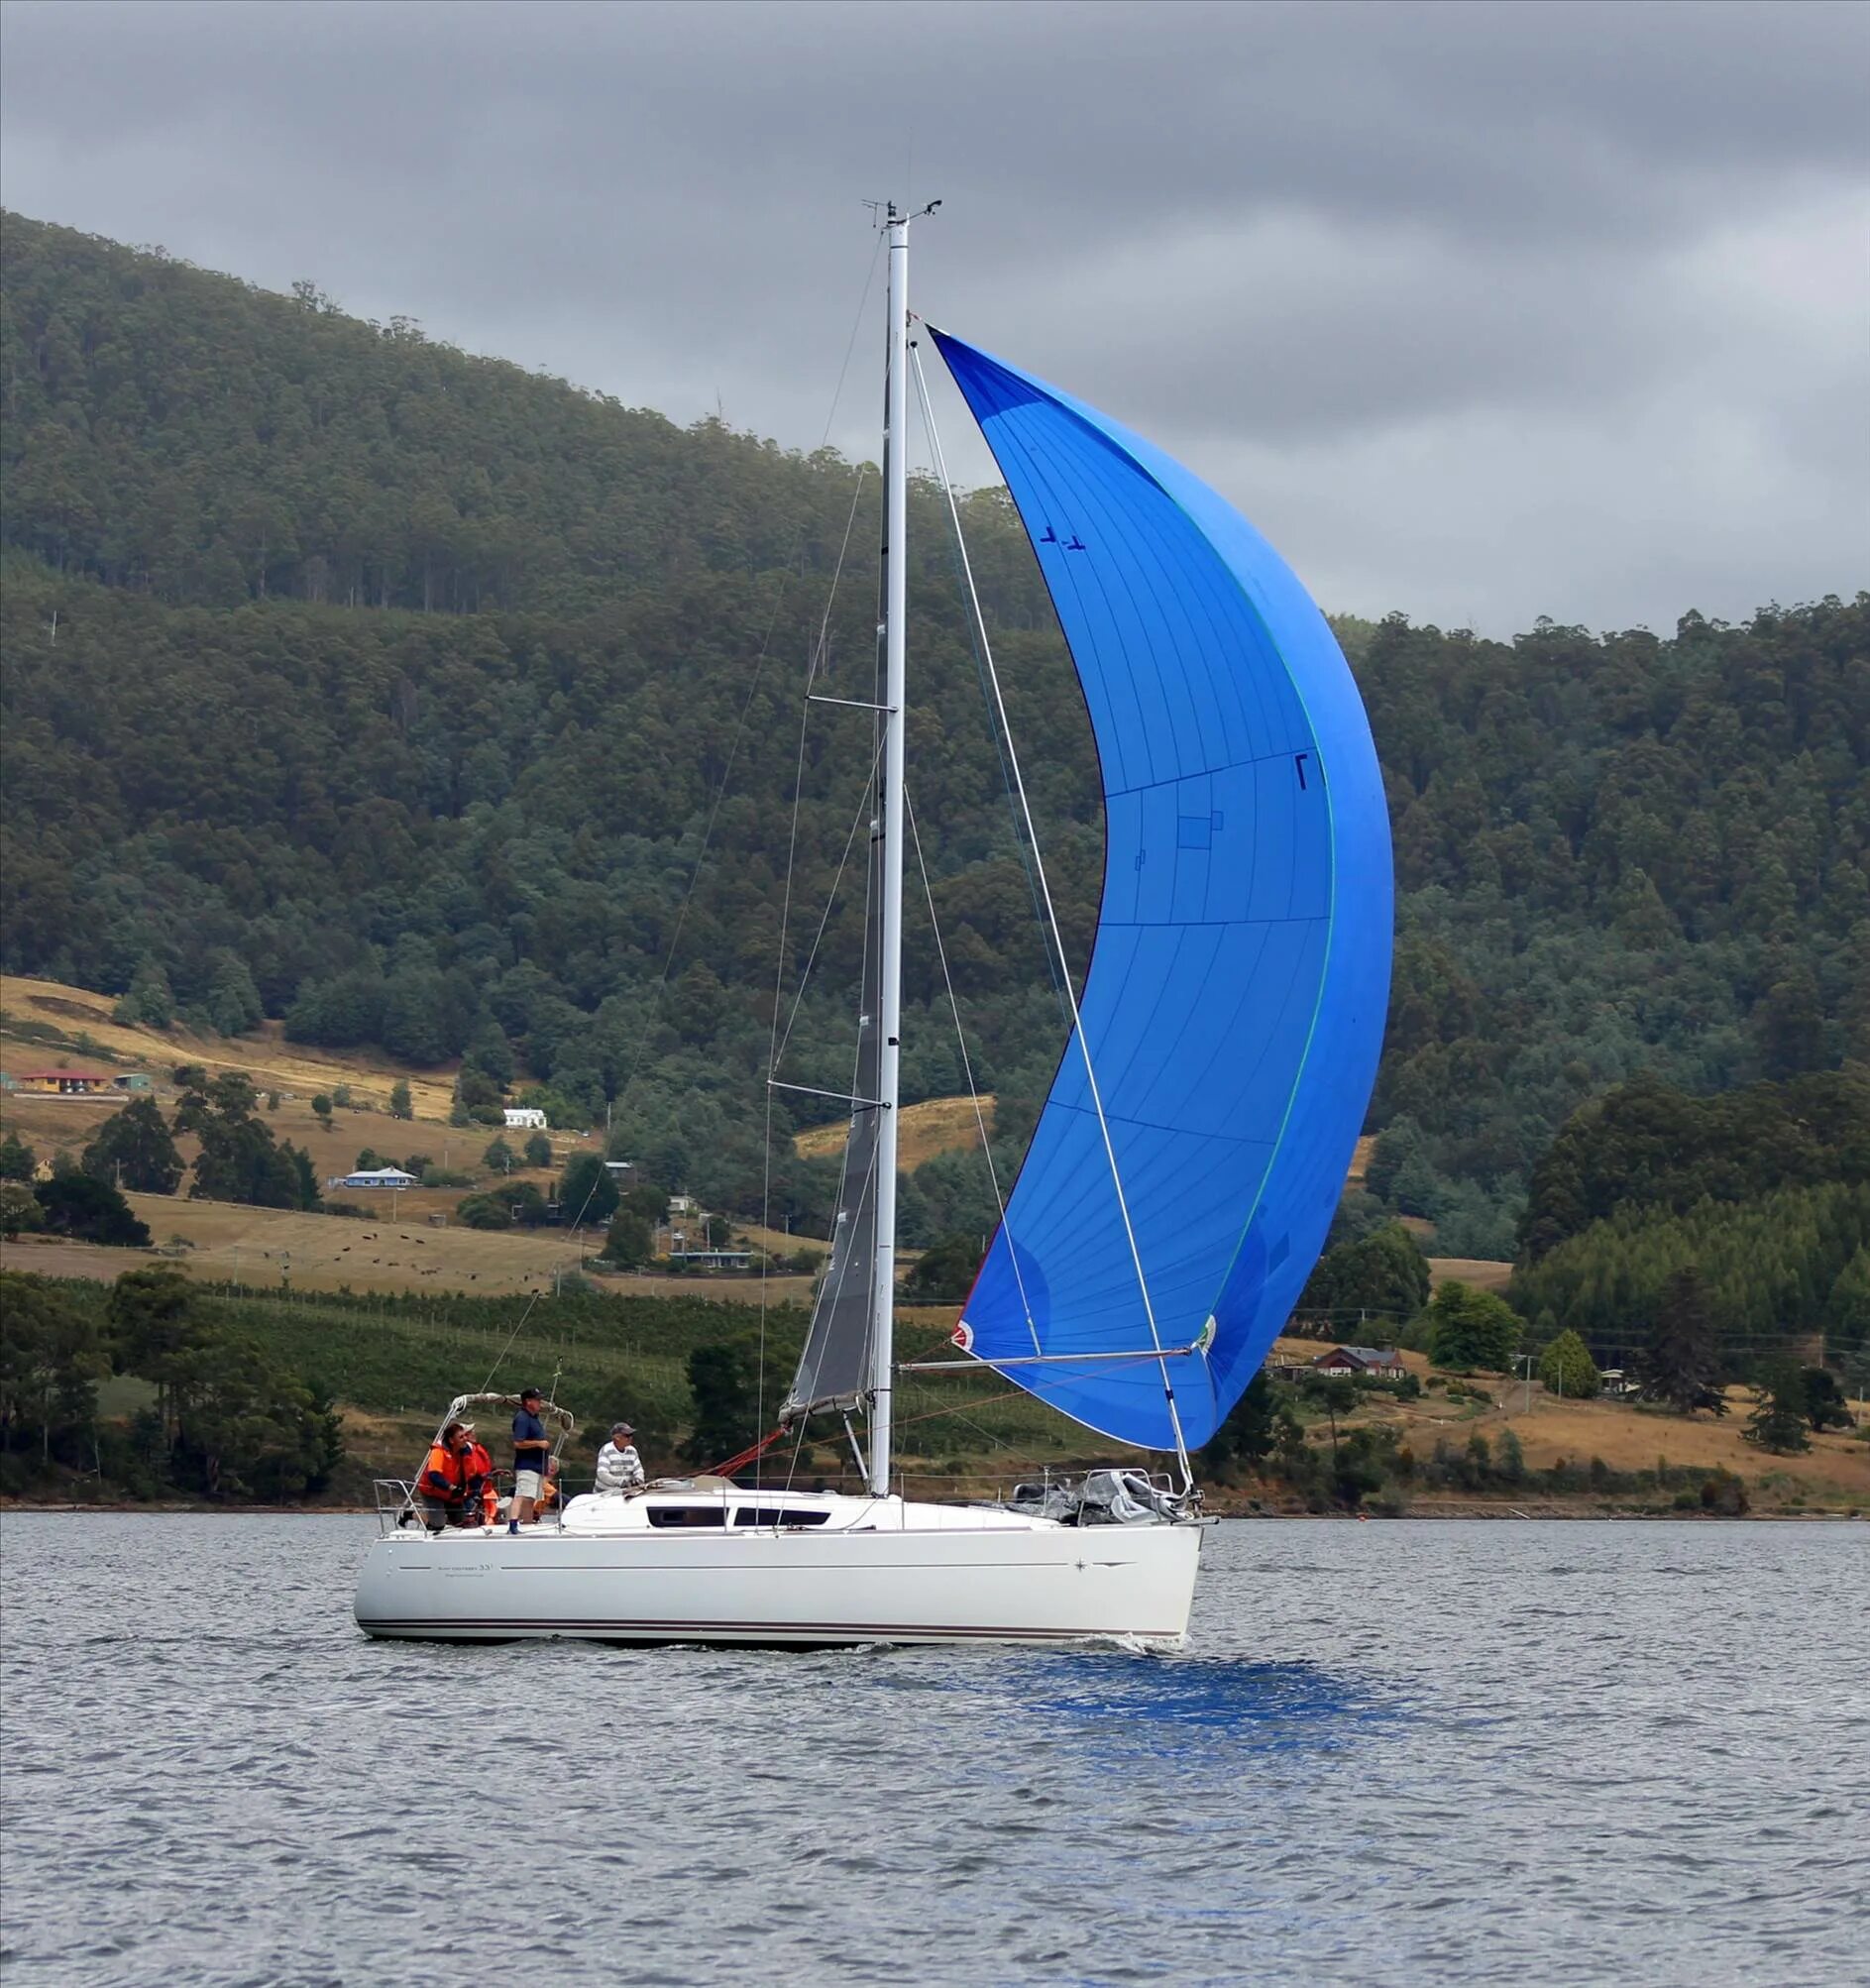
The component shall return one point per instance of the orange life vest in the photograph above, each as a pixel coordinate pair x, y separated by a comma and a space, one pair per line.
480, 1468
445, 1463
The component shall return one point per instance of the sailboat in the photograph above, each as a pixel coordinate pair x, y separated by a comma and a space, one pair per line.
1185, 1166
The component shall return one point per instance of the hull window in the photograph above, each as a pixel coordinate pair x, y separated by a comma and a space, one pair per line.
748, 1516
686, 1514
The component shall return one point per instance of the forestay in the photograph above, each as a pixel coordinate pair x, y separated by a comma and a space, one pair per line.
1234, 1005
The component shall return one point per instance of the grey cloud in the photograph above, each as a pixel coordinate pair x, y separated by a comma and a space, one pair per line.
1360, 264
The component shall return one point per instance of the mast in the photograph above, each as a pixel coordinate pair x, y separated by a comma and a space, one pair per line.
890, 1019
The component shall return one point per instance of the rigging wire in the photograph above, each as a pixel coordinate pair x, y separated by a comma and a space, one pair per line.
815, 663
967, 1070
865, 807
1001, 745
1051, 917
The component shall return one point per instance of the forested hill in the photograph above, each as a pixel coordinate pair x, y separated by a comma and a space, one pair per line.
356, 680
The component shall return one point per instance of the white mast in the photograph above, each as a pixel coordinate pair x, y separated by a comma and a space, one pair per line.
890, 1021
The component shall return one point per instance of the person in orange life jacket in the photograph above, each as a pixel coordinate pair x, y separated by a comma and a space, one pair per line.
531, 1447
548, 1488
444, 1480
481, 1492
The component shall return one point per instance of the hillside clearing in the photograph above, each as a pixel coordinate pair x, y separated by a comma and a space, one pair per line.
386, 1253
1480, 1272
936, 1125
266, 1056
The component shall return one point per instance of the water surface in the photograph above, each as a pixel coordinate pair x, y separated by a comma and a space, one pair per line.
1400, 1752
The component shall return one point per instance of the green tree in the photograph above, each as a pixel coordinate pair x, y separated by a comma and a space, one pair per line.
246, 1428
1247, 1435
151, 1001
1680, 1366
240, 1160
51, 1357
587, 1193
154, 1317
483, 1211
1826, 1405
723, 1380
1568, 1370
1509, 1458
401, 1105
1471, 1328
523, 1201
321, 1110
649, 1201
17, 1161
945, 1274
89, 1211
135, 1149
234, 1004
628, 1243
1789, 1025
304, 1177
20, 1212
231, 1420
1779, 1410
1384, 1272
538, 1150
498, 1156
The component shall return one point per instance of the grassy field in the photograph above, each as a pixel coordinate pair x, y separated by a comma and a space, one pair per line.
936, 1125
265, 1248
1481, 1271
266, 1056
1625, 1435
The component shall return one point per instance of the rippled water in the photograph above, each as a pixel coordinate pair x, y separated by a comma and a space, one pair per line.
1402, 1752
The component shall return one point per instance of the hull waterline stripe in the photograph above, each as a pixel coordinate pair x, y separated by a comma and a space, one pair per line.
377, 1624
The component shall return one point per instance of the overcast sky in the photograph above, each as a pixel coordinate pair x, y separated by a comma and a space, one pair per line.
1479, 311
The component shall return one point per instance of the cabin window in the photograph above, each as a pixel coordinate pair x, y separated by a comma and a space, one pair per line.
780, 1515
686, 1514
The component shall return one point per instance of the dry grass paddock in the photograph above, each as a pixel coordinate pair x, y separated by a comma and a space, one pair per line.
936, 1125
266, 1056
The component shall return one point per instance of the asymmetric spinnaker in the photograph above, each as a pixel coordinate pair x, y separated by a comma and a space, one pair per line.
1234, 1002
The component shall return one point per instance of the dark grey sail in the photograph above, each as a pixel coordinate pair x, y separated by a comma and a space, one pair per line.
835, 1372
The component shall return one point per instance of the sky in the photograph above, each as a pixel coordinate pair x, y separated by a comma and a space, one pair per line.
1479, 311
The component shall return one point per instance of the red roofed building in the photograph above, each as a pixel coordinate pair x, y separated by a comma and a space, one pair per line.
68, 1084
1378, 1360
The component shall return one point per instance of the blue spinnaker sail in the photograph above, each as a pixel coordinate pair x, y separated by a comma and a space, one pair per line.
1234, 1005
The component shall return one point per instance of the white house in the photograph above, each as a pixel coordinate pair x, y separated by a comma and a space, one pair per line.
523, 1118
375, 1177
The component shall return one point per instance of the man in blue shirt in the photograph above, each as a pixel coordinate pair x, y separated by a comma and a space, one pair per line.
531, 1447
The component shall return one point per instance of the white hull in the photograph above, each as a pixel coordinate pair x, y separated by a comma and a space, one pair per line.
953, 1583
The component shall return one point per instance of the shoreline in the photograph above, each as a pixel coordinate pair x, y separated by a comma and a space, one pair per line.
1441, 1511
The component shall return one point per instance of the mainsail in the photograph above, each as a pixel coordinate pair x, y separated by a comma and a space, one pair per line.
1233, 1006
